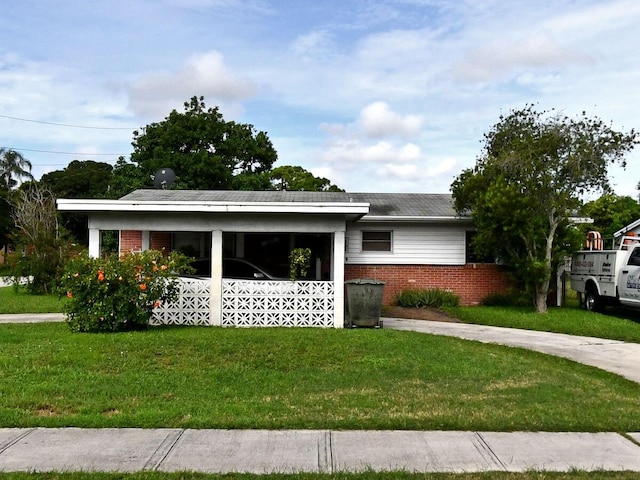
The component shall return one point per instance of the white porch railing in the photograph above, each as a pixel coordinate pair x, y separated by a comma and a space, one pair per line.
193, 306
277, 304
247, 303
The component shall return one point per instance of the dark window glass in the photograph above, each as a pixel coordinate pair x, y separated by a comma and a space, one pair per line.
376, 241
634, 258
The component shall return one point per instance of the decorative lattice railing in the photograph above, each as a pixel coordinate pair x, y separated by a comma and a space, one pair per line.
193, 306
248, 303
277, 304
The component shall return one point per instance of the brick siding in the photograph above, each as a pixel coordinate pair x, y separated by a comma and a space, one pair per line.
130, 241
471, 282
161, 241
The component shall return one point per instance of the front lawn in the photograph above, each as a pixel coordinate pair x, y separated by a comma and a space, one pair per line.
276, 378
614, 323
20, 301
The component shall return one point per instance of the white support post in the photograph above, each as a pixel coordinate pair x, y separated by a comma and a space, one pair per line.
338, 278
146, 240
94, 242
216, 277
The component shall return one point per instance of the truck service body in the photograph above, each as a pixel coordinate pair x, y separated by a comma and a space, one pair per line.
608, 277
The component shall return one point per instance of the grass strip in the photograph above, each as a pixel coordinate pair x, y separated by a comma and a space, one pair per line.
615, 323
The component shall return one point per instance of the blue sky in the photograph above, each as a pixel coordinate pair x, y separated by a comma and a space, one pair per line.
376, 95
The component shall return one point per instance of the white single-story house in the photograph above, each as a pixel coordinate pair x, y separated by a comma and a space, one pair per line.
405, 240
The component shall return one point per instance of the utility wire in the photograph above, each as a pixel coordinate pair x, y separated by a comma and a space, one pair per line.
67, 125
65, 153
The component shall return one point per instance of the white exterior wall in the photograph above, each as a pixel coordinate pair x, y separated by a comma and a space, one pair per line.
412, 244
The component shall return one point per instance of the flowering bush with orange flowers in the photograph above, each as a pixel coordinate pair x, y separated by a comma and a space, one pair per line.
116, 294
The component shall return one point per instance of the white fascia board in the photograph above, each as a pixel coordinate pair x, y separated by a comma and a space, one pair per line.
78, 205
402, 218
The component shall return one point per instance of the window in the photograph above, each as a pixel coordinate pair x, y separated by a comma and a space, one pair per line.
634, 258
376, 241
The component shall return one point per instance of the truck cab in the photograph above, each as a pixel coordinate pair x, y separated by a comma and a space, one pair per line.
629, 279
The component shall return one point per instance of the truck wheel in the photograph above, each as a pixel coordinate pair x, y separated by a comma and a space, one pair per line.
592, 301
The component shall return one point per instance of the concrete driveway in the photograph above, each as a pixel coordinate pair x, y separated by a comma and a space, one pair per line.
614, 356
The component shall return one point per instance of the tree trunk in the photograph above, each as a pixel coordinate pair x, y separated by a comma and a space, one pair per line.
542, 287
540, 300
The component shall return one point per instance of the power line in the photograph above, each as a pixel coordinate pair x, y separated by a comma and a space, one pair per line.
67, 125
66, 153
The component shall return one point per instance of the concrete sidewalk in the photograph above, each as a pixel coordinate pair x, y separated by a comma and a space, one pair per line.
31, 317
291, 451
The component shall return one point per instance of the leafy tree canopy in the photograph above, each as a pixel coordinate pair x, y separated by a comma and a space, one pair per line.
296, 178
126, 177
79, 179
528, 181
13, 167
611, 213
204, 150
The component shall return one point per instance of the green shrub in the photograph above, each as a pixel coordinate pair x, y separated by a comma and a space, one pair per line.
506, 299
423, 298
117, 294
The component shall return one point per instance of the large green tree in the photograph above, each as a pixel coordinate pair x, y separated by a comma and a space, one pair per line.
79, 179
611, 213
528, 181
204, 150
288, 177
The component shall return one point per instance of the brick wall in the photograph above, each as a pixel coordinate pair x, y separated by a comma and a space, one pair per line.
130, 241
471, 282
160, 241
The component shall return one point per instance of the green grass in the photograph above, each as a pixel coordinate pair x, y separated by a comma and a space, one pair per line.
12, 301
615, 323
334, 476
191, 377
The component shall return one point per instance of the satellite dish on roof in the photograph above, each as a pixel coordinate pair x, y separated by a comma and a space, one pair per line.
163, 178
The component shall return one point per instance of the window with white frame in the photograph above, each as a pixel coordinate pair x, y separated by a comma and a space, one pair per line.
376, 241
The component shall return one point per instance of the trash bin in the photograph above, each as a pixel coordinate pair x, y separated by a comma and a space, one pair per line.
364, 298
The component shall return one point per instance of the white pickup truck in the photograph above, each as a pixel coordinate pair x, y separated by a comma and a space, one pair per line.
608, 277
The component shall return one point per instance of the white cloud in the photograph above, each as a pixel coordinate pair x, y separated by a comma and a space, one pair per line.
374, 150
204, 74
379, 121
313, 45
395, 171
502, 57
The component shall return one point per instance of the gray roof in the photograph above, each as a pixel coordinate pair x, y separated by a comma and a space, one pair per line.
382, 204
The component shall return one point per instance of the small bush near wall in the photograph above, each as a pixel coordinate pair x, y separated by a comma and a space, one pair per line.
433, 297
115, 294
507, 299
